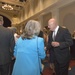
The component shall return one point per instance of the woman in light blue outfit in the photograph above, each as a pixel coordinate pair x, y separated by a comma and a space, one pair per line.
29, 50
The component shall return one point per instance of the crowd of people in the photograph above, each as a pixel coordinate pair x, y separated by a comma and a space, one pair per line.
23, 54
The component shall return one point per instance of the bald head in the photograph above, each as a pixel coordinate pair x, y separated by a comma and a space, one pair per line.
52, 24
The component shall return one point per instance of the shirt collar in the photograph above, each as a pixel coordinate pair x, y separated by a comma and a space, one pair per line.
56, 29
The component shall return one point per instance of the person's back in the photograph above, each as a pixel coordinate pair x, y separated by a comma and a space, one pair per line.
5, 40
29, 50
6, 48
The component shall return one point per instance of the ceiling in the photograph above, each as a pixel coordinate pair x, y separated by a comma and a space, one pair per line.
17, 5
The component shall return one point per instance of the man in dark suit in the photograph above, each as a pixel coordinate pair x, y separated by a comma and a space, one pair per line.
6, 48
59, 42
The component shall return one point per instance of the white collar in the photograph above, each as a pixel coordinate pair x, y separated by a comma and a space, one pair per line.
56, 29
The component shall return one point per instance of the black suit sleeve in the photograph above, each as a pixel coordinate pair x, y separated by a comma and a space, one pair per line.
67, 39
12, 43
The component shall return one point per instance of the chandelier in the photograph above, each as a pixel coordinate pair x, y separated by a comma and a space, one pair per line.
7, 7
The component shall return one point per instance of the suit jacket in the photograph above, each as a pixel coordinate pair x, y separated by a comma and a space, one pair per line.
62, 53
6, 45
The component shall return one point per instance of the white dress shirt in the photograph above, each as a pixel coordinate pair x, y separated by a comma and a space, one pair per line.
55, 32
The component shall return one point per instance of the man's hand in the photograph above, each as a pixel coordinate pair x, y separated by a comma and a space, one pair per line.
55, 44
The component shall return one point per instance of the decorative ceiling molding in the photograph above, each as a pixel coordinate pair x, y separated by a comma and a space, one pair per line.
16, 5
13, 2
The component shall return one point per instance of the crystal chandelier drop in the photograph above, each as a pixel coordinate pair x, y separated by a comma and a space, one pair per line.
7, 7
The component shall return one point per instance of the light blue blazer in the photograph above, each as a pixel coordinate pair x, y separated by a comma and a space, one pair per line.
28, 53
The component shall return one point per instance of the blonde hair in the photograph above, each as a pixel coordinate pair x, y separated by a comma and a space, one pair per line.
31, 29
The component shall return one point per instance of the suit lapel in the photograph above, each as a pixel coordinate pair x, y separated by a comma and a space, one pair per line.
57, 35
51, 35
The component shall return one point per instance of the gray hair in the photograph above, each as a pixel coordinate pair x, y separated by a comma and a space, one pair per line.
31, 29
